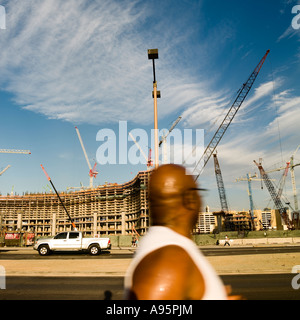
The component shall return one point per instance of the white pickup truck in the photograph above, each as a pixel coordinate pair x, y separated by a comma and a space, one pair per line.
72, 241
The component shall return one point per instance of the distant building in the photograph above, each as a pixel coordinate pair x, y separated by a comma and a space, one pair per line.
269, 219
206, 222
241, 220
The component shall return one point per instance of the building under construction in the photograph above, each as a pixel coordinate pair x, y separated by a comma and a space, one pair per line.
116, 209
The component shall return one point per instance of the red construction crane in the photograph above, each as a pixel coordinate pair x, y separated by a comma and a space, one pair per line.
282, 181
149, 162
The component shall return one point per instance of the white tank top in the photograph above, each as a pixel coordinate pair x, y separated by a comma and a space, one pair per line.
158, 237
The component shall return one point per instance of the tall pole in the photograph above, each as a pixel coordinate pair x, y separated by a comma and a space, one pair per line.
155, 124
153, 54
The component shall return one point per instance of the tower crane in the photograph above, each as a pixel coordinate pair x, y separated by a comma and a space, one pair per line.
148, 160
164, 139
241, 96
92, 173
249, 178
14, 151
277, 201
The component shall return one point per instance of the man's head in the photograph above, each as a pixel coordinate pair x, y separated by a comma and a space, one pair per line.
173, 196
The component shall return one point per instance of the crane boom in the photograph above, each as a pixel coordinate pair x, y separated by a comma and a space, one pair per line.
49, 179
14, 151
220, 184
170, 130
83, 148
142, 152
282, 182
242, 93
5, 169
92, 173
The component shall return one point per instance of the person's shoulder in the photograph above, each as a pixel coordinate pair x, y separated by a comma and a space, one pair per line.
170, 257
170, 269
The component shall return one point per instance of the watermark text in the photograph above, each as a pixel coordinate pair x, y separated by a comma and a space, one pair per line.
296, 19
183, 147
295, 281
2, 18
2, 278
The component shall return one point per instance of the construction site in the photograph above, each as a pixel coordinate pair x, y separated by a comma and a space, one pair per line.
105, 210
122, 209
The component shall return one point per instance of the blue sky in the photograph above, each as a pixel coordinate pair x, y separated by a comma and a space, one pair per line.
84, 63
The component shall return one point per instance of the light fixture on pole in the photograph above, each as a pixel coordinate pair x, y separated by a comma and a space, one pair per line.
153, 55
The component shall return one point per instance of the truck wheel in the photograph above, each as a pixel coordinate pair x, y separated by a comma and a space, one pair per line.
94, 250
44, 250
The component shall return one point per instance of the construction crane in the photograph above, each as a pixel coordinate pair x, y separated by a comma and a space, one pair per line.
293, 178
61, 202
92, 173
295, 213
164, 139
282, 181
249, 178
148, 160
241, 95
5, 169
220, 183
277, 201
14, 151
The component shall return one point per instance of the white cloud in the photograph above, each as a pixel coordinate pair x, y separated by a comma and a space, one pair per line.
83, 61
75, 60
288, 33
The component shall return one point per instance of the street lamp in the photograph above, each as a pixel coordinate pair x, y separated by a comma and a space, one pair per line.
153, 55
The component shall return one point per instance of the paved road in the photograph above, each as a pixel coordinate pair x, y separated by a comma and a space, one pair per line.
28, 253
252, 287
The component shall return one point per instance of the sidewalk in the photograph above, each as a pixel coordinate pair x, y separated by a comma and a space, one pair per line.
263, 241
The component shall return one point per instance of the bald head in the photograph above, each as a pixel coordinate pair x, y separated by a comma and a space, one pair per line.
172, 194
